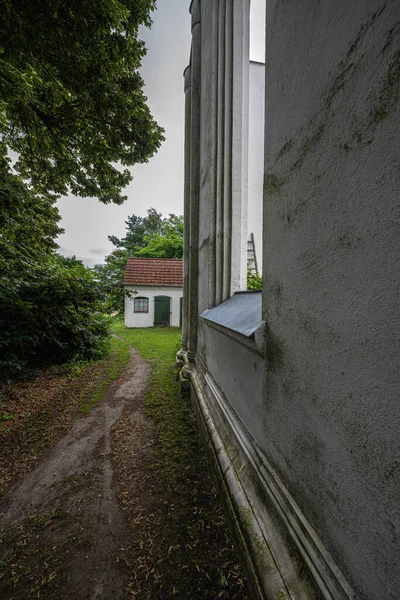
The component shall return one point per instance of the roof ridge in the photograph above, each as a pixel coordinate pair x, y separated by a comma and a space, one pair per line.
151, 258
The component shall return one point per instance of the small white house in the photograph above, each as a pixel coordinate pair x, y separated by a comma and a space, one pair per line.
155, 287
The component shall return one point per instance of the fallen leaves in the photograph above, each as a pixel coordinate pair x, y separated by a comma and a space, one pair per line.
42, 406
180, 541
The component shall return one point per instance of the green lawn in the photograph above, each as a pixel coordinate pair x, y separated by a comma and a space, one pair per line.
194, 553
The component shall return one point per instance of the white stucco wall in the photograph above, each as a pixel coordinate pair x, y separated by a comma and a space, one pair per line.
256, 155
218, 150
323, 406
133, 319
236, 369
331, 257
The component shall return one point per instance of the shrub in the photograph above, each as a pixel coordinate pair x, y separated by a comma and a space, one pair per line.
51, 312
254, 281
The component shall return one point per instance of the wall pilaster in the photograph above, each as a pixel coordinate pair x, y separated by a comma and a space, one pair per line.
186, 209
220, 135
212, 245
194, 178
232, 84
240, 135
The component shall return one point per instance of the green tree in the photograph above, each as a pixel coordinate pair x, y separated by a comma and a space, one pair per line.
53, 313
73, 112
110, 276
28, 225
137, 228
162, 246
50, 307
168, 243
71, 97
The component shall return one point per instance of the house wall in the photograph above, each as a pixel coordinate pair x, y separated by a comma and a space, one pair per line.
331, 416
133, 319
256, 155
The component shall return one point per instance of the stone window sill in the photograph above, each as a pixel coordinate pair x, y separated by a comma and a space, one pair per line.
239, 317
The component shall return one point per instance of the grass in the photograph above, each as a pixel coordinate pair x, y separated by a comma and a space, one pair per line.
37, 410
110, 370
176, 526
193, 557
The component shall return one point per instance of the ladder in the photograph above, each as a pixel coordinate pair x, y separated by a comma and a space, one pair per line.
251, 255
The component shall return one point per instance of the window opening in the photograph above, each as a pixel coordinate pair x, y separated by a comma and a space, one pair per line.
141, 305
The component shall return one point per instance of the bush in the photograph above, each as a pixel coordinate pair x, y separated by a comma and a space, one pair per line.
254, 281
51, 312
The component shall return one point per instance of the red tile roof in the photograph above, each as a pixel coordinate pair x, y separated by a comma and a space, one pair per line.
154, 271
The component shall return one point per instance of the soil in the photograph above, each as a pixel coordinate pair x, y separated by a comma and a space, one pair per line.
63, 532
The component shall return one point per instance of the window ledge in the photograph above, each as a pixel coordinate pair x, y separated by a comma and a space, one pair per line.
240, 318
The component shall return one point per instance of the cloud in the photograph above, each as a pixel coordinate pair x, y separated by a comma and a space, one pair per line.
87, 261
98, 251
65, 251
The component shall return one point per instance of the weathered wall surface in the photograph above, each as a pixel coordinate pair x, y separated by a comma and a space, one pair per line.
237, 371
256, 155
219, 153
207, 152
133, 319
331, 254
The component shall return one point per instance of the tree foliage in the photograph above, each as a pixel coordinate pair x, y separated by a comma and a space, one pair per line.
54, 315
110, 276
51, 308
165, 243
73, 113
28, 225
153, 236
254, 281
71, 97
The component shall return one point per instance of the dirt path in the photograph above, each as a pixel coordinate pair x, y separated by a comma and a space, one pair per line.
62, 525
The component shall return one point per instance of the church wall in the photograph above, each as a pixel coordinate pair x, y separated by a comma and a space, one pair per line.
236, 367
304, 423
331, 294
207, 166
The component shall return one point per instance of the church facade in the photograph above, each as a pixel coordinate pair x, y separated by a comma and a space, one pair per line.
296, 387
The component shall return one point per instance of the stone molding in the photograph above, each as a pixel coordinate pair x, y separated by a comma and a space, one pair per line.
187, 78
194, 10
281, 553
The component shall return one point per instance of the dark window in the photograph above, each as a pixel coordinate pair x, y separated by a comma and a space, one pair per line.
141, 305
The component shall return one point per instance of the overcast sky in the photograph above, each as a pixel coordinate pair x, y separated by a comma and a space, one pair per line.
159, 183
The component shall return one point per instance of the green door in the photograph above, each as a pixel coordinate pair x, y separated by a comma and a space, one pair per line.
162, 308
